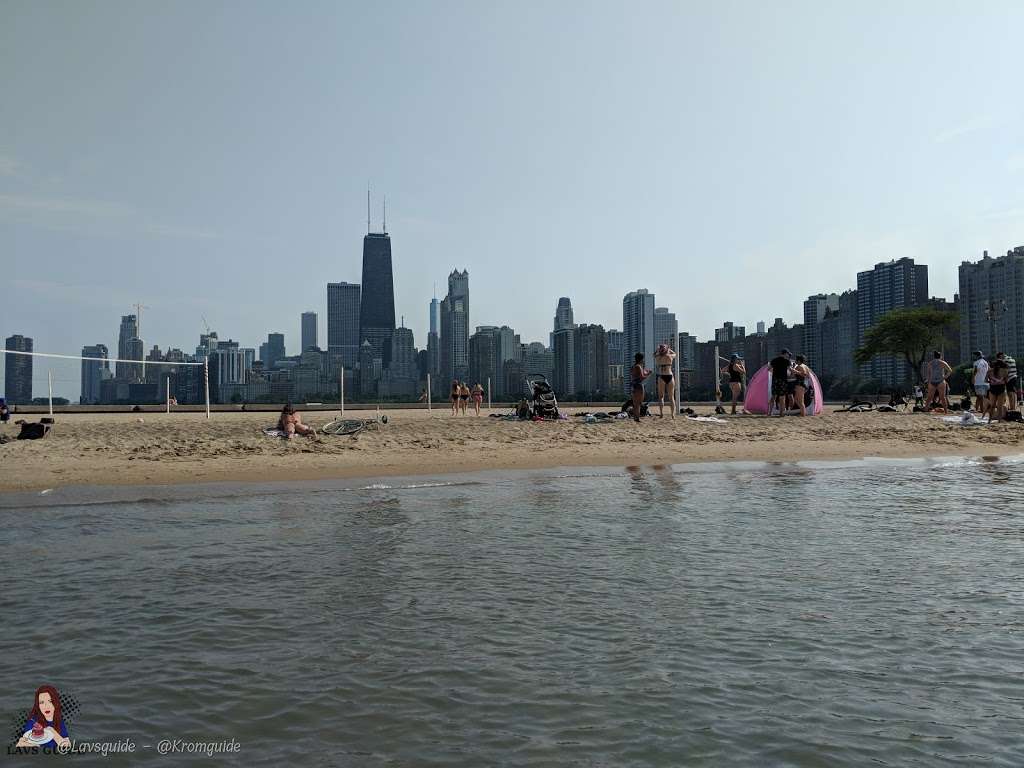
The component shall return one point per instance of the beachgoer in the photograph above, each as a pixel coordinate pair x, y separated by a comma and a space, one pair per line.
918, 397
1012, 380
736, 371
478, 397
980, 381
454, 396
423, 397
290, 422
802, 377
664, 358
938, 370
998, 375
463, 397
780, 365
5, 412
637, 374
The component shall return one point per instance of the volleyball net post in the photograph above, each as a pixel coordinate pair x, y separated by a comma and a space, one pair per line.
428, 393
488, 393
341, 389
206, 384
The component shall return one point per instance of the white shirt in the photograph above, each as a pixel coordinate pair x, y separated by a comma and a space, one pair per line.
980, 371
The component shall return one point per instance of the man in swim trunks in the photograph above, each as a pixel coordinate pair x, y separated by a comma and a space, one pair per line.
980, 381
780, 365
1012, 380
936, 373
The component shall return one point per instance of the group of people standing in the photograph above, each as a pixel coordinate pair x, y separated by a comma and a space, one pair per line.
460, 395
791, 380
664, 359
996, 385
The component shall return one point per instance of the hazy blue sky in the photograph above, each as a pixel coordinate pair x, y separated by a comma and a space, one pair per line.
733, 157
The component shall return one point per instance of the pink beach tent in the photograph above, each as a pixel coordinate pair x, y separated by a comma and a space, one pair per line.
758, 397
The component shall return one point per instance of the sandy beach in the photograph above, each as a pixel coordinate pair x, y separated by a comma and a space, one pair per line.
117, 449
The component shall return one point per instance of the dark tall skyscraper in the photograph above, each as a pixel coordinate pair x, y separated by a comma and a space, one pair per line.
18, 370
94, 373
343, 300
308, 334
377, 307
129, 330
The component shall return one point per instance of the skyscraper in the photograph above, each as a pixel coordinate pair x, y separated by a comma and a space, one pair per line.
563, 314
18, 370
93, 373
590, 371
637, 331
455, 327
403, 374
992, 305
435, 315
129, 330
893, 285
343, 302
377, 305
274, 350
483, 356
815, 308
563, 344
837, 332
308, 334
666, 329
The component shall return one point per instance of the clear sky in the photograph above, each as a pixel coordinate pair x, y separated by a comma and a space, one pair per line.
212, 158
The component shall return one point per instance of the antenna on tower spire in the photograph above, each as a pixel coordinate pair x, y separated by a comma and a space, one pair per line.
367, 207
384, 226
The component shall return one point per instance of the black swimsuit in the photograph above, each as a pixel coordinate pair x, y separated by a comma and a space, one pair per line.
735, 377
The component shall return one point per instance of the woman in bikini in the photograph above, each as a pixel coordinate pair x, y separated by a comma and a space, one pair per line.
478, 397
736, 371
637, 374
454, 397
290, 422
801, 374
463, 397
938, 371
664, 358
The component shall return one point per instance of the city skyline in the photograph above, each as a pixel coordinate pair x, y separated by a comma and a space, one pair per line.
680, 137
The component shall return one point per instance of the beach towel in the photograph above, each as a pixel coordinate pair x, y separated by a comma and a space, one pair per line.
966, 419
274, 432
712, 419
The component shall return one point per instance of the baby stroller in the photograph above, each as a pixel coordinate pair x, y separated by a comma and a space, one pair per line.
543, 402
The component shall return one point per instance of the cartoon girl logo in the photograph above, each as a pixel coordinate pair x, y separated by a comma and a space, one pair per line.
45, 726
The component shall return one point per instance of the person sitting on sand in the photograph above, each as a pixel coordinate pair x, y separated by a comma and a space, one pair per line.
478, 397
736, 371
291, 424
637, 374
5, 412
453, 395
780, 365
464, 395
664, 358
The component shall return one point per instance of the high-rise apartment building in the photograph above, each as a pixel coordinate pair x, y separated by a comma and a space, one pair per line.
614, 347
893, 285
992, 305
590, 369
273, 350
483, 356
538, 360
638, 332
435, 316
94, 372
377, 305
815, 308
837, 339
563, 345
308, 333
18, 370
403, 375
343, 302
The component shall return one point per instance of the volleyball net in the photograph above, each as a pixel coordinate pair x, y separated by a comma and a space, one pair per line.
49, 379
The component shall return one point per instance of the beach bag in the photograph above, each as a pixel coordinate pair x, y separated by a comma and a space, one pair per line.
1014, 416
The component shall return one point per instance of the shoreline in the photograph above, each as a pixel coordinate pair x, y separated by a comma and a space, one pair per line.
117, 450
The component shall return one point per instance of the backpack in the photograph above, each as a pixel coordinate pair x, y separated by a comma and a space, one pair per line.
33, 431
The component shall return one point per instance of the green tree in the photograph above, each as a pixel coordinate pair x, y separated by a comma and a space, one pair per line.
908, 333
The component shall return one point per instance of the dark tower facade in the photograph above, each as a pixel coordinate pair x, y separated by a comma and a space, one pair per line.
377, 305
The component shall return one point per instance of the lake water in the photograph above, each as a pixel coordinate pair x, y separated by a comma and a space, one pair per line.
867, 613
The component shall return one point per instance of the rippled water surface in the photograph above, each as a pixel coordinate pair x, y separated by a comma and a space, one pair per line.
805, 615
